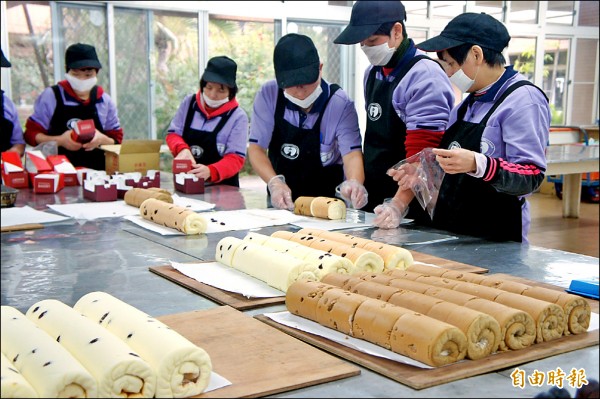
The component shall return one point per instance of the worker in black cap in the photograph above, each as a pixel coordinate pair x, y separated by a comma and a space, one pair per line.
210, 128
12, 132
408, 100
304, 134
78, 97
493, 151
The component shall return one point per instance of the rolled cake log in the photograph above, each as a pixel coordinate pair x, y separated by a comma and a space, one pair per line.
328, 208
274, 268
136, 195
47, 365
577, 309
412, 334
323, 262
173, 216
362, 259
182, 368
118, 369
393, 256
517, 328
12, 382
286, 235
303, 299
482, 330
302, 206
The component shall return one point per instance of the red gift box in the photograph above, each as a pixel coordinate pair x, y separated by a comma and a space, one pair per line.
48, 183
181, 166
83, 131
98, 191
13, 173
36, 163
61, 164
188, 183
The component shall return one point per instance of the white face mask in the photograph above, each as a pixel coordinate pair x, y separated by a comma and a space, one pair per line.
308, 101
378, 55
462, 81
81, 85
214, 103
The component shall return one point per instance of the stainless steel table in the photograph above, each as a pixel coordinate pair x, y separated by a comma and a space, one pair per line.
67, 260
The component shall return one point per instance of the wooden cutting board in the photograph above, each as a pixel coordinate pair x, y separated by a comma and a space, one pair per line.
258, 360
241, 302
419, 378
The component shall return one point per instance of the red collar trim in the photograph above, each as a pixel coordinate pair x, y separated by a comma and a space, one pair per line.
211, 113
69, 90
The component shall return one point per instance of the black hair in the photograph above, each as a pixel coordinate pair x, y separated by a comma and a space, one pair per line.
386, 29
232, 90
459, 54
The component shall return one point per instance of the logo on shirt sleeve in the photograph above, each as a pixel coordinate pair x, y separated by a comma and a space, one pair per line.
374, 111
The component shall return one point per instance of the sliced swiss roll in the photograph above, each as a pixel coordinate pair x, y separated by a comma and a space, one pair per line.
362, 259
328, 208
182, 368
137, 195
302, 205
12, 382
119, 370
173, 216
47, 365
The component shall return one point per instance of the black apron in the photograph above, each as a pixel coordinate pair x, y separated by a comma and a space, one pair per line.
7, 127
296, 153
468, 205
63, 118
384, 140
203, 144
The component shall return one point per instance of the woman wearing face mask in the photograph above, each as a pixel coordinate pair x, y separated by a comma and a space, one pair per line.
408, 99
210, 128
493, 151
78, 97
304, 135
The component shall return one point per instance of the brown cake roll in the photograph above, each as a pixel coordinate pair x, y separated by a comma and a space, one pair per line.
302, 298
362, 287
577, 309
173, 216
362, 259
302, 206
287, 235
328, 208
374, 321
426, 269
136, 196
336, 309
464, 276
517, 328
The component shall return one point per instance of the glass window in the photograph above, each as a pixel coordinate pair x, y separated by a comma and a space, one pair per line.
556, 56
583, 112
560, 12
30, 53
447, 9
415, 8
588, 13
525, 12
493, 8
521, 54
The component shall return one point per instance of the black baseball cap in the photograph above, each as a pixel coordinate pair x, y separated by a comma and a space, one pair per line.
81, 55
5, 63
296, 61
472, 28
222, 70
366, 18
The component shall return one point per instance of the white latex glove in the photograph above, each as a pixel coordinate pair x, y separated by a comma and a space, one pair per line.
281, 194
353, 192
389, 214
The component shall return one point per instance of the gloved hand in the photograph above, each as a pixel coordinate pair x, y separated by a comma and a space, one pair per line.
389, 214
281, 195
353, 192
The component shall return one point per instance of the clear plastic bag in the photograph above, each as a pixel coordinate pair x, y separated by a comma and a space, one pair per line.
423, 175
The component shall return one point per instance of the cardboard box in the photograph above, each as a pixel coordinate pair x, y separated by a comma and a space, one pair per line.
132, 156
98, 191
36, 163
188, 183
61, 164
13, 173
48, 183
181, 166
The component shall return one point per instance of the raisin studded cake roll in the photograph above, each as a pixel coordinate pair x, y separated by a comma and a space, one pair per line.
12, 382
359, 286
336, 236
182, 368
328, 208
362, 259
117, 368
302, 206
336, 309
517, 328
136, 195
286, 235
226, 248
173, 216
50, 368
577, 309
302, 297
